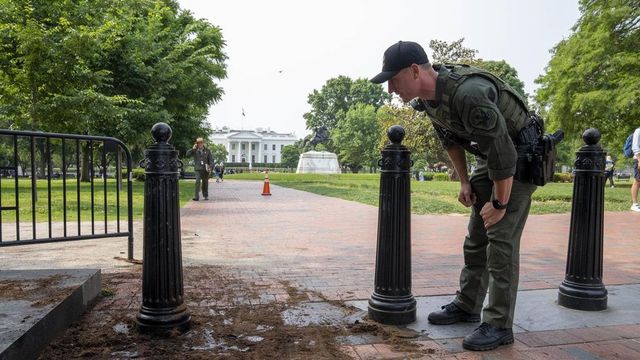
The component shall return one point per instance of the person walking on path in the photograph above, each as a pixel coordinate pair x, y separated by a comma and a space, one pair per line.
221, 171
609, 165
202, 165
475, 111
216, 170
635, 147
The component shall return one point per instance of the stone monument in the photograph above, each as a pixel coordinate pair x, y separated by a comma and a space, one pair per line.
318, 162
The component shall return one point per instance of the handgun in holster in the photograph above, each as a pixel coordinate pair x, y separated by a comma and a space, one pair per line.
536, 152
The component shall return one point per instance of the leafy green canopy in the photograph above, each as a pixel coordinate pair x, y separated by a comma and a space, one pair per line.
108, 67
593, 78
290, 155
356, 135
338, 95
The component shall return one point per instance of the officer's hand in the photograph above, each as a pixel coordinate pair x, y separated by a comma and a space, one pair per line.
466, 196
491, 215
195, 146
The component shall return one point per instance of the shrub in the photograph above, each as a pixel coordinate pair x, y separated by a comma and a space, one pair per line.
428, 176
562, 177
440, 177
137, 173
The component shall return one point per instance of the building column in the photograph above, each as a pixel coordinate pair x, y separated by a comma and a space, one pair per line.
250, 152
259, 151
239, 157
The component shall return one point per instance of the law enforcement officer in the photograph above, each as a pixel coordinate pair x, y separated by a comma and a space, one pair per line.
202, 165
475, 111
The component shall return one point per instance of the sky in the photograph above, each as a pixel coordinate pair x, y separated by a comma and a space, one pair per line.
279, 51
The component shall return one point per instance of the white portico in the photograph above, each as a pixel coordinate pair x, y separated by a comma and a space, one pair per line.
252, 146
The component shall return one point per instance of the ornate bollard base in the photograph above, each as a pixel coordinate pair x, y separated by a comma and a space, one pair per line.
163, 321
392, 310
582, 296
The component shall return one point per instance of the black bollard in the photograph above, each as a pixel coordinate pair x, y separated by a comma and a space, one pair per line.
582, 288
163, 309
392, 302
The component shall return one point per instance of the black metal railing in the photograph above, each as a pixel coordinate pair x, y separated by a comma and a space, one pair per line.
37, 150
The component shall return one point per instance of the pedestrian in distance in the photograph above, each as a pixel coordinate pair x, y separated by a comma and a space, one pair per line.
635, 148
475, 111
216, 170
221, 171
609, 165
202, 165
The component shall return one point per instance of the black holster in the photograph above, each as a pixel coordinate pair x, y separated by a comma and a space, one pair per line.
536, 152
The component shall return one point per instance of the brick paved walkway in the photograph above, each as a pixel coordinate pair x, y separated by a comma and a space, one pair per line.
328, 245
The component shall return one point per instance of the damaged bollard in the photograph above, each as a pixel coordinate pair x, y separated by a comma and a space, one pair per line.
163, 310
392, 302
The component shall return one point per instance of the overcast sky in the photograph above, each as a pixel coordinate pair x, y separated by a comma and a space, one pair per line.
281, 50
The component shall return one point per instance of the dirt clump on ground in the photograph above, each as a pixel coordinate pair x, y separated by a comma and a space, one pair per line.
40, 292
231, 318
225, 324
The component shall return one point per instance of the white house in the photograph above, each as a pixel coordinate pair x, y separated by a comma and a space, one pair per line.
252, 146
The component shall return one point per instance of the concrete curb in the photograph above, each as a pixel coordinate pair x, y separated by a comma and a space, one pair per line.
49, 322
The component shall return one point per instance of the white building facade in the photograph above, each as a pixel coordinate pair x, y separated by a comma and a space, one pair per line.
252, 146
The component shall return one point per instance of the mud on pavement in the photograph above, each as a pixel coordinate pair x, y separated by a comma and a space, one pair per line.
231, 318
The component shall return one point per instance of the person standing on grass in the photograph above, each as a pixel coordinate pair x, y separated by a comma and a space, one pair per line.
202, 165
475, 111
635, 147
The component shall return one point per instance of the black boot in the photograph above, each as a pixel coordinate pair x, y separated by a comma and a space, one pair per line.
451, 314
487, 337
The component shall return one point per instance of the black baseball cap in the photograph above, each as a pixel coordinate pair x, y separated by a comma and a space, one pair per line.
399, 56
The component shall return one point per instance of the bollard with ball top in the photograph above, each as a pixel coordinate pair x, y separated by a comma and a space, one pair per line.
582, 288
163, 311
392, 302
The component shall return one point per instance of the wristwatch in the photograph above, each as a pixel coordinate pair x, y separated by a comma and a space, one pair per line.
498, 205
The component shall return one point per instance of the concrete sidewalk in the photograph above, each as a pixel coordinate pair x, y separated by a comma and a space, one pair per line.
326, 246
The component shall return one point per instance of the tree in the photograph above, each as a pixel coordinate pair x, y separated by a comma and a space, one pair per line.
355, 137
340, 94
593, 78
445, 53
290, 156
108, 67
219, 153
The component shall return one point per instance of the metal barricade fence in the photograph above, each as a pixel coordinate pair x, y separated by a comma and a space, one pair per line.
16, 146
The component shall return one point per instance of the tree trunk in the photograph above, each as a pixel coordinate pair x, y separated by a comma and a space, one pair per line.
85, 175
42, 161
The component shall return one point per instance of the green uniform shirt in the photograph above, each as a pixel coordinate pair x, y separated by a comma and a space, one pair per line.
201, 158
475, 118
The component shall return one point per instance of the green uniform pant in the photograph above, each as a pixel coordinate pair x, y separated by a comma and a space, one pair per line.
491, 257
202, 176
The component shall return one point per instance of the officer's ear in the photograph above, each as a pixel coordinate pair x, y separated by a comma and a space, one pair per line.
415, 71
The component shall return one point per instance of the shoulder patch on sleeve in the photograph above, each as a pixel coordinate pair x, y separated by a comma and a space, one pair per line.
483, 118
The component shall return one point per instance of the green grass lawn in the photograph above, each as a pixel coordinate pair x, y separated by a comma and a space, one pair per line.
8, 197
432, 197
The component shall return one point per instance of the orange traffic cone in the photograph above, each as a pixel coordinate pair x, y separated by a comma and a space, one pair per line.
265, 188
